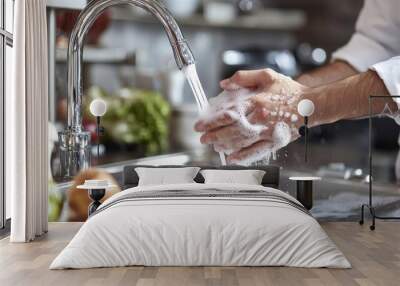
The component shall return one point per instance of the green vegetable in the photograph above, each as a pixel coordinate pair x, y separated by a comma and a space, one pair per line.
56, 201
135, 117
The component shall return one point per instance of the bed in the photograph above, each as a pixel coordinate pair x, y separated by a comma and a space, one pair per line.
201, 224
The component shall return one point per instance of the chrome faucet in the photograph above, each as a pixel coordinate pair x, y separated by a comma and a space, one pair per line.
74, 141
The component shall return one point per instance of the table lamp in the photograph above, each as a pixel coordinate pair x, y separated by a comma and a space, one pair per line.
305, 108
98, 108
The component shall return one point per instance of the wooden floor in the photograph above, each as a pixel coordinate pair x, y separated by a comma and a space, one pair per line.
375, 257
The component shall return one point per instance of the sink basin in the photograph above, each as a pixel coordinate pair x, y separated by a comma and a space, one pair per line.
341, 199
334, 198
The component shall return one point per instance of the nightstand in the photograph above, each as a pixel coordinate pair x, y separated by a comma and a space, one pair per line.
96, 190
304, 190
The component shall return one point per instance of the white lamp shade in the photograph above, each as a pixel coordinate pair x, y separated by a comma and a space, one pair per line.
98, 107
305, 107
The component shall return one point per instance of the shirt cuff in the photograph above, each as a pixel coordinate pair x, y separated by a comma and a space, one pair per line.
361, 53
389, 72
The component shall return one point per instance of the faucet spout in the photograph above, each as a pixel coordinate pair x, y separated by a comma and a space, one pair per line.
182, 53
74, 141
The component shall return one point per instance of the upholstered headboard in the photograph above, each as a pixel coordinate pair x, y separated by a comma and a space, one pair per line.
271, 177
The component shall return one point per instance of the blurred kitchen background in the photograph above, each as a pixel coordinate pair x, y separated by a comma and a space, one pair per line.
151, 110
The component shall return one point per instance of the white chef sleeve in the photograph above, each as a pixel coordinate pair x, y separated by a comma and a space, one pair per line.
377, 35
389, 72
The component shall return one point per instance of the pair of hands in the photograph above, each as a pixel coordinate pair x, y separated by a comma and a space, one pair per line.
274, 101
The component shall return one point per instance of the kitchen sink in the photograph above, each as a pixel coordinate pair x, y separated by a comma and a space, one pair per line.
334, 198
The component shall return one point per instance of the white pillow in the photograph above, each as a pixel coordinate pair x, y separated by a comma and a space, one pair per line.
166, 176
247, 177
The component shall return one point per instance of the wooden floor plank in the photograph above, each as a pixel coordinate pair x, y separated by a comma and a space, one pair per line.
375, 257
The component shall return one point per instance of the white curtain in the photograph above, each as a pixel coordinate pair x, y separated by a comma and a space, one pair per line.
26, 123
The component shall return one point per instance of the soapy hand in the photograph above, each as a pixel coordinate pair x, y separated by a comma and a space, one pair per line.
254, 117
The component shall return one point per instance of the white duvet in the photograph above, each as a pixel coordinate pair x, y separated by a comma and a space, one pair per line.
203, 232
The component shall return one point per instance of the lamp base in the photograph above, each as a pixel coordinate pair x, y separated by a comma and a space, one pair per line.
374, 216
96, 195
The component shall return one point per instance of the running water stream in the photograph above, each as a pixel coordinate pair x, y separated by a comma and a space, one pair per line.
198, 92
